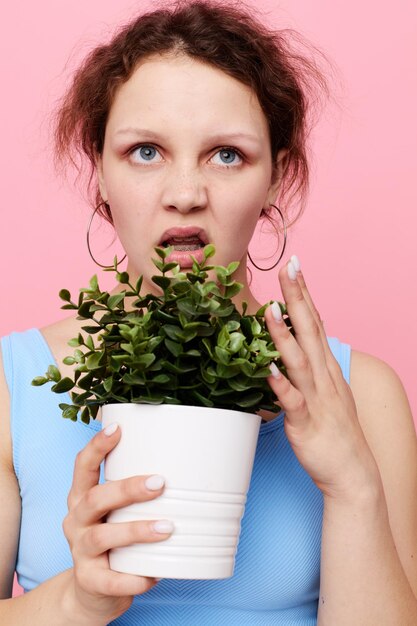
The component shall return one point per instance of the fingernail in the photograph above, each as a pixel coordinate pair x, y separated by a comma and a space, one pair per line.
274, 370
276, 312
163, 526
155, 482
296, 262
109, 430
291, 271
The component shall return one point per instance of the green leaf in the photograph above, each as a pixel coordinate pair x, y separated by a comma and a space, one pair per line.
64, 385
70, 413
232, 325
250, 399
234, 289
139, 283
238, 384
38, 381
94, 361
90, 343
127, 347
209, 250
193, 352
262, 373
174, 347
158, 264
178, 369
222, 355
161, 379
173, 332
162, 281
223, 338
236, 342
202, 400
113, 301
187, 306
225, 311
122, 277
84, 310
65, 295
54, 373
69, 360
108, 383
134, 379
85, 381
170, 266
255, 327
145, 359
85, 415
91, 330
232, 267
161, 252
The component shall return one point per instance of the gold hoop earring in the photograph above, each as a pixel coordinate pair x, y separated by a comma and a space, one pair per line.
267, 269
88, 240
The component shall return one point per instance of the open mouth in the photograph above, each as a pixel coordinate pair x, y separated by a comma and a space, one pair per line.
184, 244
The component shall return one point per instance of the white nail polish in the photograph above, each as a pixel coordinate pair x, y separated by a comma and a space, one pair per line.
291, 271
274, 371
296, 262
276, 312
109, 430
155, 482
163, 526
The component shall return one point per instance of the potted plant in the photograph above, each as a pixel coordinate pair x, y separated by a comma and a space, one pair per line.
183, 374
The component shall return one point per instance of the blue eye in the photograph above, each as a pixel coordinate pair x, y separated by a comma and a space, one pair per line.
230, 152
148, 151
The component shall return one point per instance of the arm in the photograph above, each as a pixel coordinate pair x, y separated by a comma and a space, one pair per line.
89, 593
51, 602
358, 445
369, 559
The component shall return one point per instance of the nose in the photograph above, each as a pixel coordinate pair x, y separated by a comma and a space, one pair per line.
184, 191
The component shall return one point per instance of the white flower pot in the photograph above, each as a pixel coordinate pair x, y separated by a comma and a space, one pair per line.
206, 456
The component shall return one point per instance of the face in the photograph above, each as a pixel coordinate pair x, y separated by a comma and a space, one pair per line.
170, 160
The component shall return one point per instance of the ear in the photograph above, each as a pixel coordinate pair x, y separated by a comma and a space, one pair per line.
277, 175
100, 176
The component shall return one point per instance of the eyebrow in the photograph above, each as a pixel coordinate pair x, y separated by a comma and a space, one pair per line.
220, 136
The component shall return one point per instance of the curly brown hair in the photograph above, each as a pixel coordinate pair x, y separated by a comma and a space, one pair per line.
287, 82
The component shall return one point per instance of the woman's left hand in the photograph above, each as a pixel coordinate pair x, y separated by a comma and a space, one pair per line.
321, 420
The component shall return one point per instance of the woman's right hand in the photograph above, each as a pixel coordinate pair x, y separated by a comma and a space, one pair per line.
97, 590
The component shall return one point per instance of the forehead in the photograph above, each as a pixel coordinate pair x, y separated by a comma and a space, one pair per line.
183, 93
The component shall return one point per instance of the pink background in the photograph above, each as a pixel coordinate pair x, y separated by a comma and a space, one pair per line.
356, 240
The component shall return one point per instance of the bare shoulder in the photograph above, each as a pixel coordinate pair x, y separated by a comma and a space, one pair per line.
57, 336
380, 397
385, 416
384, 412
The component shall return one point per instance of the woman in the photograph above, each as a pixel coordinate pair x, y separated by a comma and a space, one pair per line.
196, 117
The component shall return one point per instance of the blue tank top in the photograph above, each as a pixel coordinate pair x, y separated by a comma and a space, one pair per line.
277, 572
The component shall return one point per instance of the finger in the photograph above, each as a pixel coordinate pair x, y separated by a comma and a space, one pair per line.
293, 357
102, 537
104, 581
306, 328
87, 463
332, 364
101, 499
290, 399
315, 313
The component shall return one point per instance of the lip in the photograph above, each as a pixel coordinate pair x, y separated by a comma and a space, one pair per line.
185, 231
